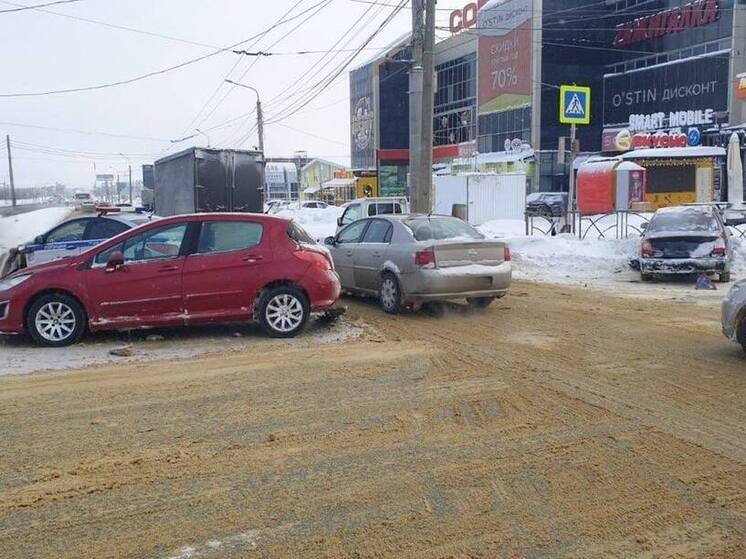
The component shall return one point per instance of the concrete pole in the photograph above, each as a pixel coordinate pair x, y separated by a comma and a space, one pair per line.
260, 123
428, 99
415, 107
10, 173
130, 171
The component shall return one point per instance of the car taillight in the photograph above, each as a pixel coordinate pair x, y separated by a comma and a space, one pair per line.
425, 259
720, 248
323, 261
506, 254
647, 249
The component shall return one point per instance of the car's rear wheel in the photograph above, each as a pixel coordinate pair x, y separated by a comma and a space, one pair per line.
647, 277
479, 303
56, 320
390, 294
283, 311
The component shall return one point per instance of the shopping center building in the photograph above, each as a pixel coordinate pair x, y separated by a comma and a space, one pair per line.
663, 74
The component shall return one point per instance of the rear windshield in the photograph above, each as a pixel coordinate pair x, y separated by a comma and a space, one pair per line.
299, 235
441, 228
689, 221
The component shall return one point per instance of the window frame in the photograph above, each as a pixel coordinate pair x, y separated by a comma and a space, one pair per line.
347, 209
386, 238
364, 222
87, 235
194, 250
84, 220
186, 241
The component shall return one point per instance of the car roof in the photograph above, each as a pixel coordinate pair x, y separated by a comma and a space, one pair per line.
216, 216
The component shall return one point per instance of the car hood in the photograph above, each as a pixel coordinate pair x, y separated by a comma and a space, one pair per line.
51, 266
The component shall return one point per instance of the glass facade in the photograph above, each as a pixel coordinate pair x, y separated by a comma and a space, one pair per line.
455, 101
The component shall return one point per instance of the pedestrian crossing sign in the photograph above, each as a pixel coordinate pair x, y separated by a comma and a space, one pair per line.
575, 104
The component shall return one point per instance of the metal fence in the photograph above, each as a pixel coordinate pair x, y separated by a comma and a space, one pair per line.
615, 225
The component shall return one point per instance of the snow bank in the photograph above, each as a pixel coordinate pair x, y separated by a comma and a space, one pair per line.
319, 223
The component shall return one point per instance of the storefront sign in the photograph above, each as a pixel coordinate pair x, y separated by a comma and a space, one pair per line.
691, 85
626, 140
694, 14
676, 119
505, 56
465, 17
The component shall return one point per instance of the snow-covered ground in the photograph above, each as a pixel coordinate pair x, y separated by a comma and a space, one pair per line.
19, 356
319, 223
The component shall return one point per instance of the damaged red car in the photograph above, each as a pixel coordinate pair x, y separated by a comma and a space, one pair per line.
176, 271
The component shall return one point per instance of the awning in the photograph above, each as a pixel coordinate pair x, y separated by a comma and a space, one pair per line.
311, 190
337, 183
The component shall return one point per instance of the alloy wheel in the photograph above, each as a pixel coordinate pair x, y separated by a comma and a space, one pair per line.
284, 312
55, 321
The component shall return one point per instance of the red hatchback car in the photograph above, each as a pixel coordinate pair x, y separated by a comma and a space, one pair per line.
176, 271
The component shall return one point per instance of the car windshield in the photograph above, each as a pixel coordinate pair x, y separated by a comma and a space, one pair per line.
441, 229
687, 221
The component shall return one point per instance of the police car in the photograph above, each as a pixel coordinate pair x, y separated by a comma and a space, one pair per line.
72, 237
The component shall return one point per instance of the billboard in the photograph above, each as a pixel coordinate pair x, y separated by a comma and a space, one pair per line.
694, 85
362, 118
505, 55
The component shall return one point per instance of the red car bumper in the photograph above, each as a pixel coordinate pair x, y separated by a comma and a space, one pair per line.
323, 288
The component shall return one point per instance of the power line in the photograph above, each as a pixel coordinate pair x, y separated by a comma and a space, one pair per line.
149, 74
84, 132
22, 8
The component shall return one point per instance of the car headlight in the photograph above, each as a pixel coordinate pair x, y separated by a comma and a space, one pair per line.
10, 283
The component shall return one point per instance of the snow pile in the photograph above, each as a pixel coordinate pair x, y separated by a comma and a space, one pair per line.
739, 256
319, 223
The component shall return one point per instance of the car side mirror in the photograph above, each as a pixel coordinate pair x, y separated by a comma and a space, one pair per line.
115, 262
38, 240
339, 222
331, 241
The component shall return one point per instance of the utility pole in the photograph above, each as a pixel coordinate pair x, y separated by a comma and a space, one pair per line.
428, 99
415, 106
259, 114
10, 173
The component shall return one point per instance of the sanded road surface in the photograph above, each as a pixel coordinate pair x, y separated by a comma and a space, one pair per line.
559, 423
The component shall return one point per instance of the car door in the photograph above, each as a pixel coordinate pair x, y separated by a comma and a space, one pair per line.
343, 251
146, 290
370, 253
226, 270
62, 241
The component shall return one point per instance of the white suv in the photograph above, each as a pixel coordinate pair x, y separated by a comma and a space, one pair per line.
368, 207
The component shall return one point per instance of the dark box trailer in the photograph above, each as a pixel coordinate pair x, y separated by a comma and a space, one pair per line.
199, 180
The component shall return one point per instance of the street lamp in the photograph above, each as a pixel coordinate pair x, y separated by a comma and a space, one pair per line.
129, 167
205, 135
259, 117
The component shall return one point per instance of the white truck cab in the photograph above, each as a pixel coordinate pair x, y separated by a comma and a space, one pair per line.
367, 207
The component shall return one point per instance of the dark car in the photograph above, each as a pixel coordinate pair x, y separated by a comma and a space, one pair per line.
546, 204
686, 240
176, 271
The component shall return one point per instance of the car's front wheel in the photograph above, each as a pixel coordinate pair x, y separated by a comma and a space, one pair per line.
56, 320
283, 311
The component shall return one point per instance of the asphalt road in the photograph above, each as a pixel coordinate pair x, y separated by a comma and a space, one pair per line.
560, 423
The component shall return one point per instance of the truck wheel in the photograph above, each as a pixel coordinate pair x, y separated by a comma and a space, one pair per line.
647, 277
480, 303
724, 277
390, 294
56, 320
283, 311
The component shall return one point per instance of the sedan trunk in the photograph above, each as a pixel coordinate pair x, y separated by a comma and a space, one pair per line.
458, 253
683, 247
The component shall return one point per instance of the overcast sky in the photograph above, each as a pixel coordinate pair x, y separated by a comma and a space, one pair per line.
42, 51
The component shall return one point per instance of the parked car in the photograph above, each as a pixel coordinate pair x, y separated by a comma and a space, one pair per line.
368, 207
176, 271
686, 240
406, 259
70, 238
274, 206
546, 204
734, 313
314, 205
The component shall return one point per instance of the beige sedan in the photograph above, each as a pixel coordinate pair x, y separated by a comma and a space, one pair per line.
408, 259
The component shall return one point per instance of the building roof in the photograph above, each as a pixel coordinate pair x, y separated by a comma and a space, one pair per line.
322, 161
391, 48
699, 151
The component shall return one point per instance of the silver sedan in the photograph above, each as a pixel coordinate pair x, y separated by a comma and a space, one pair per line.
410, 259
734, 313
